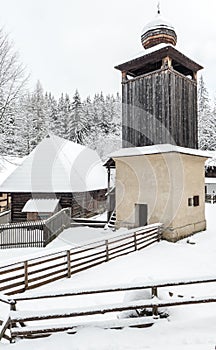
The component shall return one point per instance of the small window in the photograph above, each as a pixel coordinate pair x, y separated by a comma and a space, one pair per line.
196, 201
190, 202
43, 216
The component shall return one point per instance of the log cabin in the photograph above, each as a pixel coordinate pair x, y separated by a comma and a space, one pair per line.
57, 169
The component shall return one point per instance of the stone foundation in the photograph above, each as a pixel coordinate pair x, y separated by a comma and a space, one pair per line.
175, 234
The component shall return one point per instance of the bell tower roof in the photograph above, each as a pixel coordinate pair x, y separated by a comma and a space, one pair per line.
158, 31
153, 61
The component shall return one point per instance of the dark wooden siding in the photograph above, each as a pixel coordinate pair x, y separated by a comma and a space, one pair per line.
82, 204
18, 200
160, 107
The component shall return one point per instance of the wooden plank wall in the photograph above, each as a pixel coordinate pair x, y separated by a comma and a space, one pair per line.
18, 200
82, 204
160, 107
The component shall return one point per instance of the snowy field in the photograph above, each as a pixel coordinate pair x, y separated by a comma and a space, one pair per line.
69, 238
188, 327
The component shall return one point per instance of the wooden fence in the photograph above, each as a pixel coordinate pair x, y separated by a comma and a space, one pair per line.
23, 275
56, 224
210, 198
88, 222
5, 217
10, 331
34, 233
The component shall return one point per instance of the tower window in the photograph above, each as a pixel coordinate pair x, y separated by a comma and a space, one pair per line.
190, 202
196, 201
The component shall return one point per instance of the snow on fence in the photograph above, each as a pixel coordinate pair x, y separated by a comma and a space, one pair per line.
79, 317
33, 273
34, 233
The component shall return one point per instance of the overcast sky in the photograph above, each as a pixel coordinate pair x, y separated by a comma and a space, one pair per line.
69, 44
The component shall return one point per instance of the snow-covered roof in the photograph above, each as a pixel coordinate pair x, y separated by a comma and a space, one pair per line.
155, 149
40, 205
7, 165
210, 180
157, 22
57, 165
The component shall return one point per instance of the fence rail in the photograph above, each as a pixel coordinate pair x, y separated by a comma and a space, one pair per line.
34, 233
155, 303
30, 274
88, 222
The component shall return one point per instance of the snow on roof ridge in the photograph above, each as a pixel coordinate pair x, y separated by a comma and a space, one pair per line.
58, 165
158, 148
157, 22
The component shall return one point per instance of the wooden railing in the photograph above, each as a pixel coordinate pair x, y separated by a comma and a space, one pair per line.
154, 302
34, 233
56, 224
39, 271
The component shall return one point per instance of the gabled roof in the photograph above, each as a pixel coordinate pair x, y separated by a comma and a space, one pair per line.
57, 165
156, 149
40, 205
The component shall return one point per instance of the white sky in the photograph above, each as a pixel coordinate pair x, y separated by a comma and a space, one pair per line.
69, 44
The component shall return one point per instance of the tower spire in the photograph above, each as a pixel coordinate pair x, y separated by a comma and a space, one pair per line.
158, 8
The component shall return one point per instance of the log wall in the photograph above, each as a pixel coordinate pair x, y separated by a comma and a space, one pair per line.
82, 204
159, 107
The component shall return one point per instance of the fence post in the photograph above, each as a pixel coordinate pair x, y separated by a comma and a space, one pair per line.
135, 241
68, 264
13, 305
26, 274
13, 308
159, 233
107, 249
155, 308
45, 234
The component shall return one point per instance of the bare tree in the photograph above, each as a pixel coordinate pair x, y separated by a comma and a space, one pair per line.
12, 81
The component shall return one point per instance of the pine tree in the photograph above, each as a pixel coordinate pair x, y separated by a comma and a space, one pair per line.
95, 124
105, 131
25, 125
39, 117
51, 113
206, 123
78, 123
10, 135
213, 123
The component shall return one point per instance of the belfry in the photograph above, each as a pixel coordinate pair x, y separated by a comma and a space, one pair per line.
159, 91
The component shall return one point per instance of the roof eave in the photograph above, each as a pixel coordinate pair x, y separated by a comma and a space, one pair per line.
159, 54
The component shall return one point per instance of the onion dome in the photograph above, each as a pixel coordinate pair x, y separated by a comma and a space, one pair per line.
158, 31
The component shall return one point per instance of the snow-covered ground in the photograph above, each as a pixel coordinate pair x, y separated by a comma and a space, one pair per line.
69, 238
188, 327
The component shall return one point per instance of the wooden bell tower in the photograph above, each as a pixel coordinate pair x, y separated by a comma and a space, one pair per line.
159, 92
